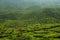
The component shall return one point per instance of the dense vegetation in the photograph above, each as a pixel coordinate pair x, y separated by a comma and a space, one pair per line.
37, 24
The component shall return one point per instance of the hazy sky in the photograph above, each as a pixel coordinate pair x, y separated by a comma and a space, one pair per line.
30, 1
25, 3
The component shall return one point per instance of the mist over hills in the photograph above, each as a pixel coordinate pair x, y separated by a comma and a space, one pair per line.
23, 4
29, 9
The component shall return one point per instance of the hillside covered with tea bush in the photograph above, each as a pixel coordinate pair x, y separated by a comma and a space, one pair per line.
27, 20
41, 24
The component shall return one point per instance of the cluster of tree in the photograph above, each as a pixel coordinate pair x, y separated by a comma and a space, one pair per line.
52, 14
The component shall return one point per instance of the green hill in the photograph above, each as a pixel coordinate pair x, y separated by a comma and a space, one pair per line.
29, 20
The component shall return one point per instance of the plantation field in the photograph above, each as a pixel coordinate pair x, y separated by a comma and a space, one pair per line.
29, 19
15, 30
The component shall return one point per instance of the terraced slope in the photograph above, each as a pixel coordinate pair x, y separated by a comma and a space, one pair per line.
46, 32
21, 30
